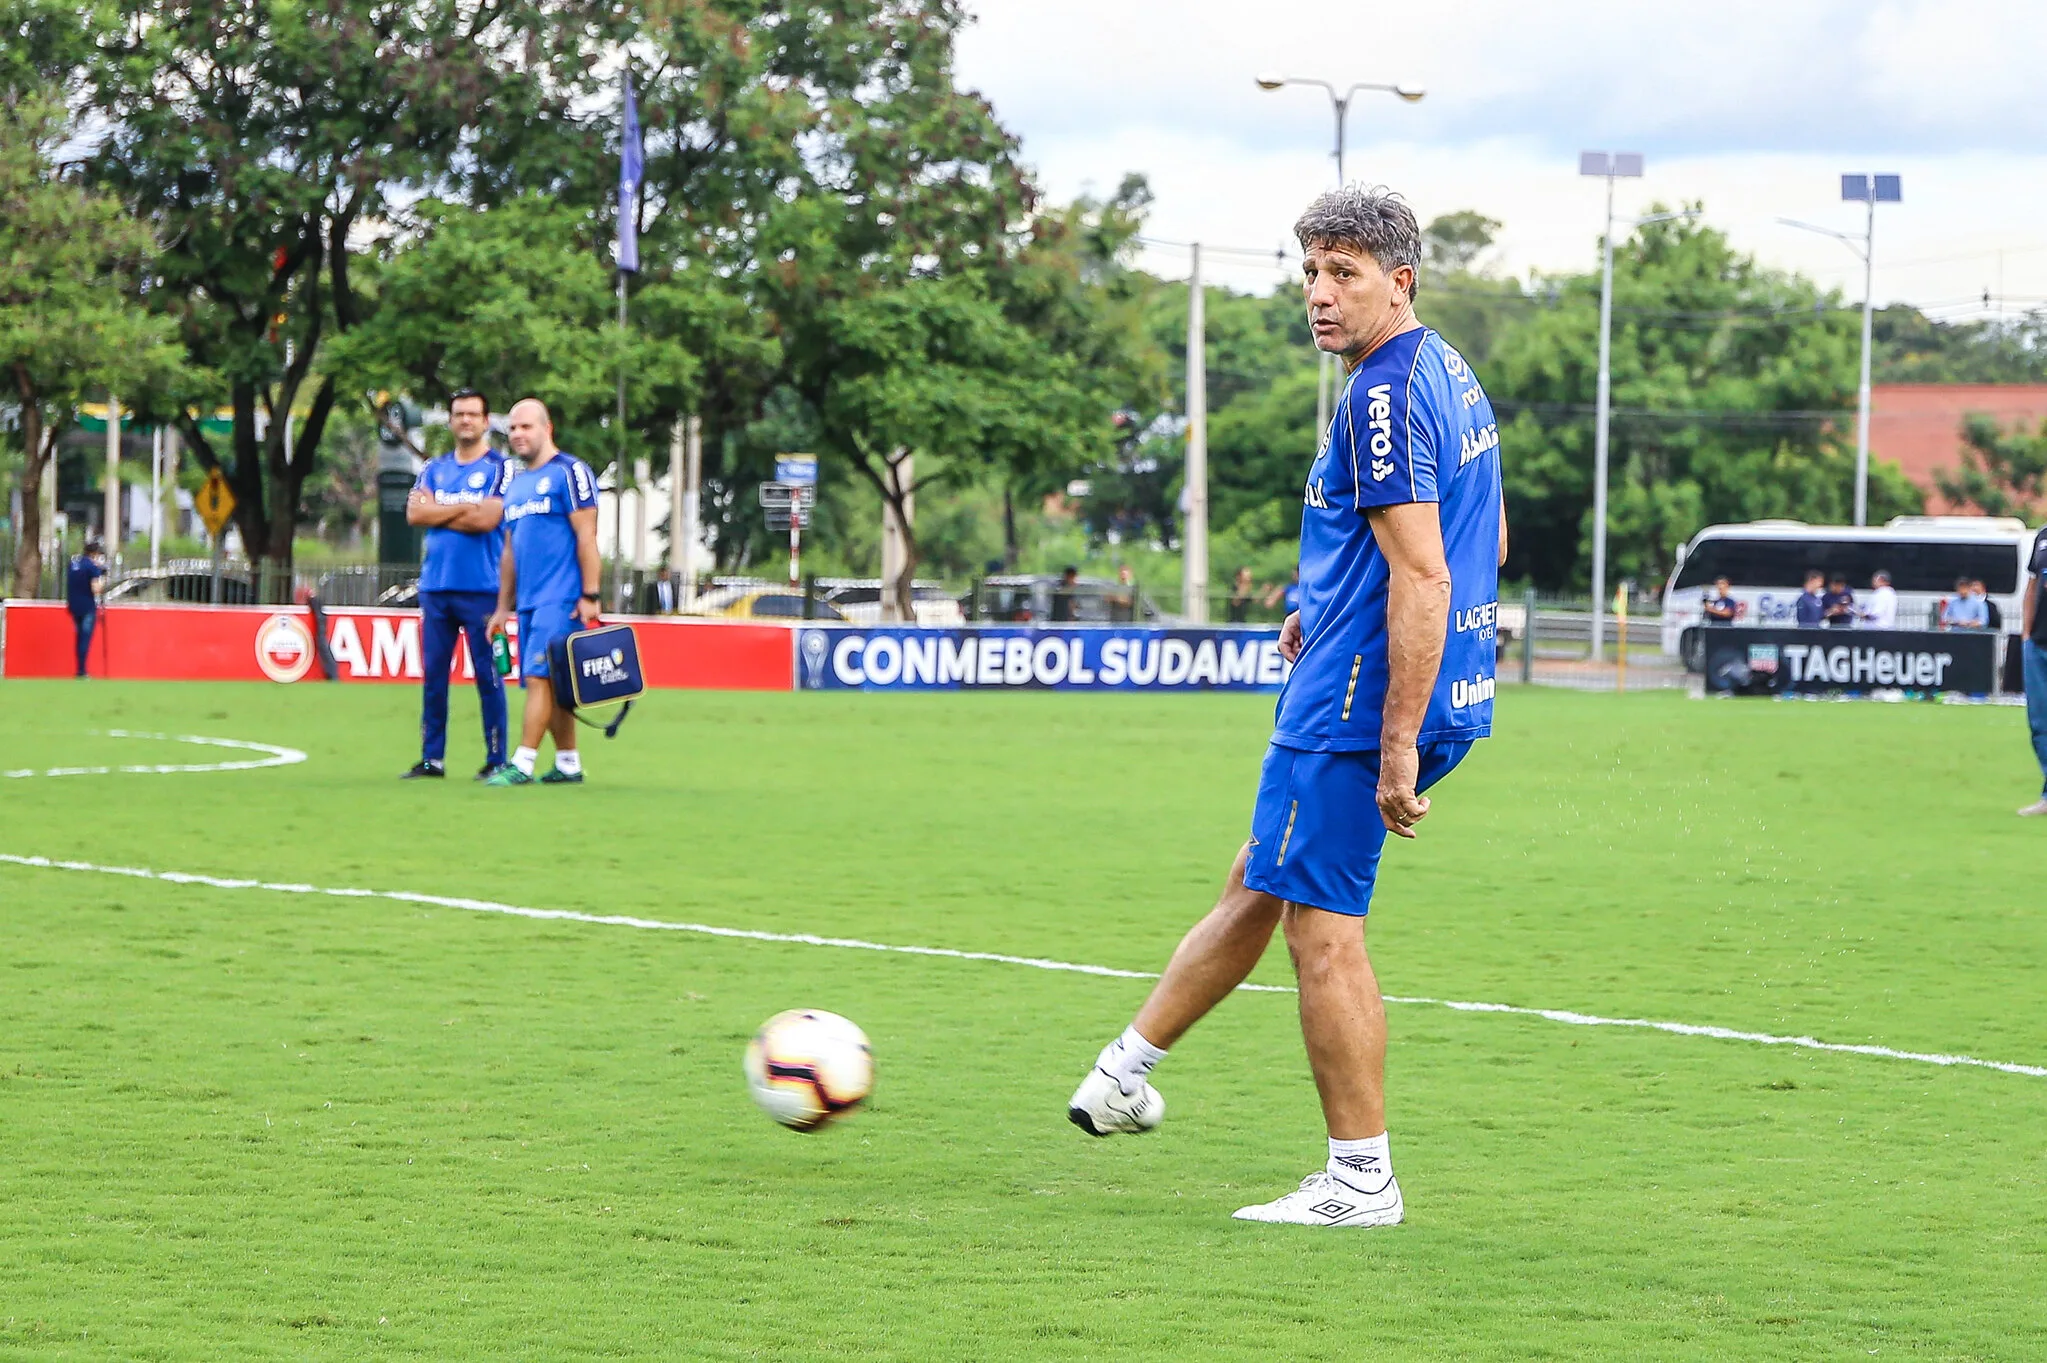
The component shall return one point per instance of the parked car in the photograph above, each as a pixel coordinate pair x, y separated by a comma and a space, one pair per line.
859, 600
179, 584
755, 601
1028, 597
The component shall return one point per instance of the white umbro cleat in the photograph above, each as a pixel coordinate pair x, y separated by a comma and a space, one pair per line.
2035, 809
1100, 1107
1324, 1200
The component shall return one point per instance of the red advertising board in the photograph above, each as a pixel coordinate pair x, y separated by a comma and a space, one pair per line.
254, 643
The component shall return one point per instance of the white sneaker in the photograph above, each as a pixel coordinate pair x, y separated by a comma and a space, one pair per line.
1325, 1200
2038, 806
1100, 1107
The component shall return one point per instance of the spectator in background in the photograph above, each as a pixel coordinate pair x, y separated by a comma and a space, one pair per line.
1838, 605
1063, 605
1123, 600
1812, 601
1240, 596
1721, 607
84, 579
1883, 603
2033, 619
661, 593
1993, 617
1964, 610
1289, 595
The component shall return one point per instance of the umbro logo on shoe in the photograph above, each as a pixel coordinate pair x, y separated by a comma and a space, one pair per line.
1333, 1209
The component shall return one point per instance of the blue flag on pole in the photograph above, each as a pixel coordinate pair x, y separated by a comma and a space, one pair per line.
629, 185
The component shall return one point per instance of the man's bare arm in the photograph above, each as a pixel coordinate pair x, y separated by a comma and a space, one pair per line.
1417, 620
584, 523
478, 518
1503, 534
2032, 604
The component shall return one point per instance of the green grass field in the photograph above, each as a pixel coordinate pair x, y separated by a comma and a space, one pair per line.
250, 1124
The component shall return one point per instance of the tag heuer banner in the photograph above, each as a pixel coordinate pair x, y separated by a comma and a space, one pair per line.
1025, 657
1769, 661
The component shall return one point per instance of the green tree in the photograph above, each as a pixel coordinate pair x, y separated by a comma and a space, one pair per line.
267, 142
2003, 473
70, 322
513, 301
1731, 390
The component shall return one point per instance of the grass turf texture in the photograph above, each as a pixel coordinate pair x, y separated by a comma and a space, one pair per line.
254, 1125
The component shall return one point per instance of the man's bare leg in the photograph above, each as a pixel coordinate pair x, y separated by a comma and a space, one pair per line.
1343, 1019
1210, 962
1215, 956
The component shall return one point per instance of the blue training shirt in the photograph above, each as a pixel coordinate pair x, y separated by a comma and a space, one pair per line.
79, 576
463, 560
1413, 426
537, 507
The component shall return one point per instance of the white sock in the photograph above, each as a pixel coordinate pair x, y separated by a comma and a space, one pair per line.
1129, 1059
1366, 1165
523, 759
569, 760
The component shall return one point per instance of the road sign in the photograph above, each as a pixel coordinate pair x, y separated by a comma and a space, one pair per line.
215, 502
796, 469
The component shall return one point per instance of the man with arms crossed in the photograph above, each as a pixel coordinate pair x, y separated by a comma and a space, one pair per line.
549, 575
460, 499
1402, 536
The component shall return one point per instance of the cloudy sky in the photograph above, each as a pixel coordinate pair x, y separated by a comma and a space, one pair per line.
1755, 107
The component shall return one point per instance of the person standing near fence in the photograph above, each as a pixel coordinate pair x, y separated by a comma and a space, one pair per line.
2034, 641
85, 577
459, 499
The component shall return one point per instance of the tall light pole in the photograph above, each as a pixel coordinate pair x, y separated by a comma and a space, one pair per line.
1870, 190
1339, 105
1619, 165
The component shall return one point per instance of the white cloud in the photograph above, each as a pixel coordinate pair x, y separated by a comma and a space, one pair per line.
1754, 107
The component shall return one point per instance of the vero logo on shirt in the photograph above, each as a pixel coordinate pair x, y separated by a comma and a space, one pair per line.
1379, 417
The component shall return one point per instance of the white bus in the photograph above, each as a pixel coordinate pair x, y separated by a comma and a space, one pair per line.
1765, 563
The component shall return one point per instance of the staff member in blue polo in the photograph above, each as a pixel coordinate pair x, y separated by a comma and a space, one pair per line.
459, 498
85, 577
549, 576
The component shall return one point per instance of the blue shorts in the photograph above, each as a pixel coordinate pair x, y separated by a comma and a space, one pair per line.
538, 629
1316, 833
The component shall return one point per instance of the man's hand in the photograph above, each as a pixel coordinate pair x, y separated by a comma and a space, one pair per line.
587, 610
1399, 807
496, 624
1290, 638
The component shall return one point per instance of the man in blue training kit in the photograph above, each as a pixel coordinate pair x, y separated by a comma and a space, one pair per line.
549, 575
1402, 537
85, 577
460, 499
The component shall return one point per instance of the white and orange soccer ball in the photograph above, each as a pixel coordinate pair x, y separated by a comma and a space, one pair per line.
806, 1068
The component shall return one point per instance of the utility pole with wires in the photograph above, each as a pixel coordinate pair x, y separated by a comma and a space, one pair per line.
1194, 491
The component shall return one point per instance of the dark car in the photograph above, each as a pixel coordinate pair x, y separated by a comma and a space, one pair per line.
180, 584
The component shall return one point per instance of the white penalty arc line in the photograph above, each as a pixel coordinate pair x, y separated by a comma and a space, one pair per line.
273, 756
619, 920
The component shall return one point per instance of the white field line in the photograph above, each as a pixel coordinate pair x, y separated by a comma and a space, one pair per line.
619, 920
274, 756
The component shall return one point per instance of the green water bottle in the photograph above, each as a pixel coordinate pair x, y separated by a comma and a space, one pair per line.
501, 654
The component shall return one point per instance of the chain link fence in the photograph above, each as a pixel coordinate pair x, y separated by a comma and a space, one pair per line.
1553, 647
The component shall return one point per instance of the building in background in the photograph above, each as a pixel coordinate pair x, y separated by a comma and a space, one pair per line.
1918, 426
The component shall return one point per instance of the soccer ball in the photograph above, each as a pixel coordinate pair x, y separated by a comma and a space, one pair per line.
806, 1068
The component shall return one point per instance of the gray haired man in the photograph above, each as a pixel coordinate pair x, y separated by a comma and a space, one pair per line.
1402, 537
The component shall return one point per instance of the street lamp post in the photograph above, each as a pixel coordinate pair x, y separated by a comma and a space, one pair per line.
1619, 165
1339, 105
1870, 190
